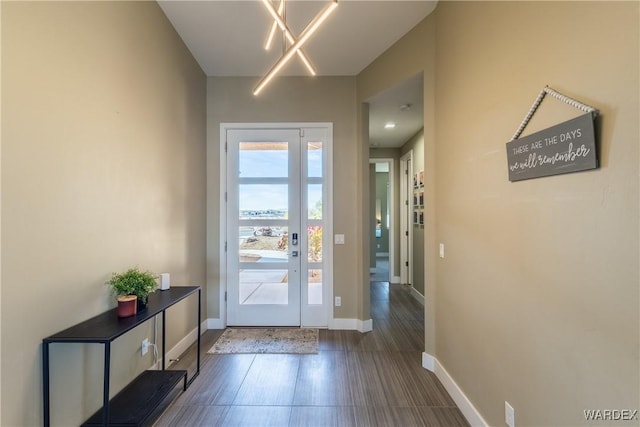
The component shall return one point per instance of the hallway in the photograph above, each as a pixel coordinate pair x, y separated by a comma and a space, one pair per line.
372, 379
381, 273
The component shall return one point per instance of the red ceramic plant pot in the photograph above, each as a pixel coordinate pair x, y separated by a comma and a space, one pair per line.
127, 305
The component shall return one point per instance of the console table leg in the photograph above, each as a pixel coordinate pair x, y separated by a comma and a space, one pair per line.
164, 338
45, 383
197, 372
199, 322
105, 390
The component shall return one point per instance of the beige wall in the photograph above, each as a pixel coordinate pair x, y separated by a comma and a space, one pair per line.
291, 99
103, 143
538, 294
414, 53
537, 300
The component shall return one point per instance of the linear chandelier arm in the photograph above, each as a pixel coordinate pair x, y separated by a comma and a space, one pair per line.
274, 27
287, 32
304, 37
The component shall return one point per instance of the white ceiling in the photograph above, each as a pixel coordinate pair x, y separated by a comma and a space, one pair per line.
402, 105
227, 39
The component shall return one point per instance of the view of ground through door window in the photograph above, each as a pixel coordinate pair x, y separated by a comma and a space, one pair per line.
269, 244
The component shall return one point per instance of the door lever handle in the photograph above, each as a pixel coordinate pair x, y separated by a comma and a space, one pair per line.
294, 253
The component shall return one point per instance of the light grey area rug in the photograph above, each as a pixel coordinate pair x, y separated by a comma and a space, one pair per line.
267, 340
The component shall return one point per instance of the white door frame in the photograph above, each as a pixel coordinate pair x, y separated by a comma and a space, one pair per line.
328, 225
406, 239
392, 218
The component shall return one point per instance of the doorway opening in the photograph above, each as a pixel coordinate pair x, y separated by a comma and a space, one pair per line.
396, 135
382, 220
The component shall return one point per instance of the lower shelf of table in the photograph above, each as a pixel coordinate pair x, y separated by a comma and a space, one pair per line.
136, 404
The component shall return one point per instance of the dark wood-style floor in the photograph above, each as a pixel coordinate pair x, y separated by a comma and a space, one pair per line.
372, 379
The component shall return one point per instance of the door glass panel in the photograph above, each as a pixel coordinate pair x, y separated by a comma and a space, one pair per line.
314, 237
314, 223
314, 201
263, 201
263, 287
314, 286
264, 160
314, 159
263, 244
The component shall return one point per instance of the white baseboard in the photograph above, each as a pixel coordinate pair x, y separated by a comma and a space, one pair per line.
338, 324
352, 325
365, 325
428, 362
182, 345
344, 324
417, 295
215, 324
469, 411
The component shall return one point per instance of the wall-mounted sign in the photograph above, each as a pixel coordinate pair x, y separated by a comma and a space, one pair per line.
563, 148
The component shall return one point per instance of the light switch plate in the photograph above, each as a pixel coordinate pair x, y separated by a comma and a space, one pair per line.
339, 239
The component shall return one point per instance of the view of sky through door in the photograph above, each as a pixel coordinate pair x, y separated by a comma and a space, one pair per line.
270, 160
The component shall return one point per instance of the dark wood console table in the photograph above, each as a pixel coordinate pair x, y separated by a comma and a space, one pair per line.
137, 401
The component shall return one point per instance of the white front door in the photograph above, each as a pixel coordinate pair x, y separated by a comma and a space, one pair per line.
276, 213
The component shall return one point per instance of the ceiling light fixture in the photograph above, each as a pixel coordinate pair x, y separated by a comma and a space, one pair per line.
274, 27
389, 125
297, 44
279, 22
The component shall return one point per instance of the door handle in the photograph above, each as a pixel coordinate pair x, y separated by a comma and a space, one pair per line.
294, 253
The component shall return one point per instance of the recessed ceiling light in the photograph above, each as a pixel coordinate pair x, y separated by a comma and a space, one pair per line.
389, 125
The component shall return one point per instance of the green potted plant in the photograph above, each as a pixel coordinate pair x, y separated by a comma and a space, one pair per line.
132, 282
